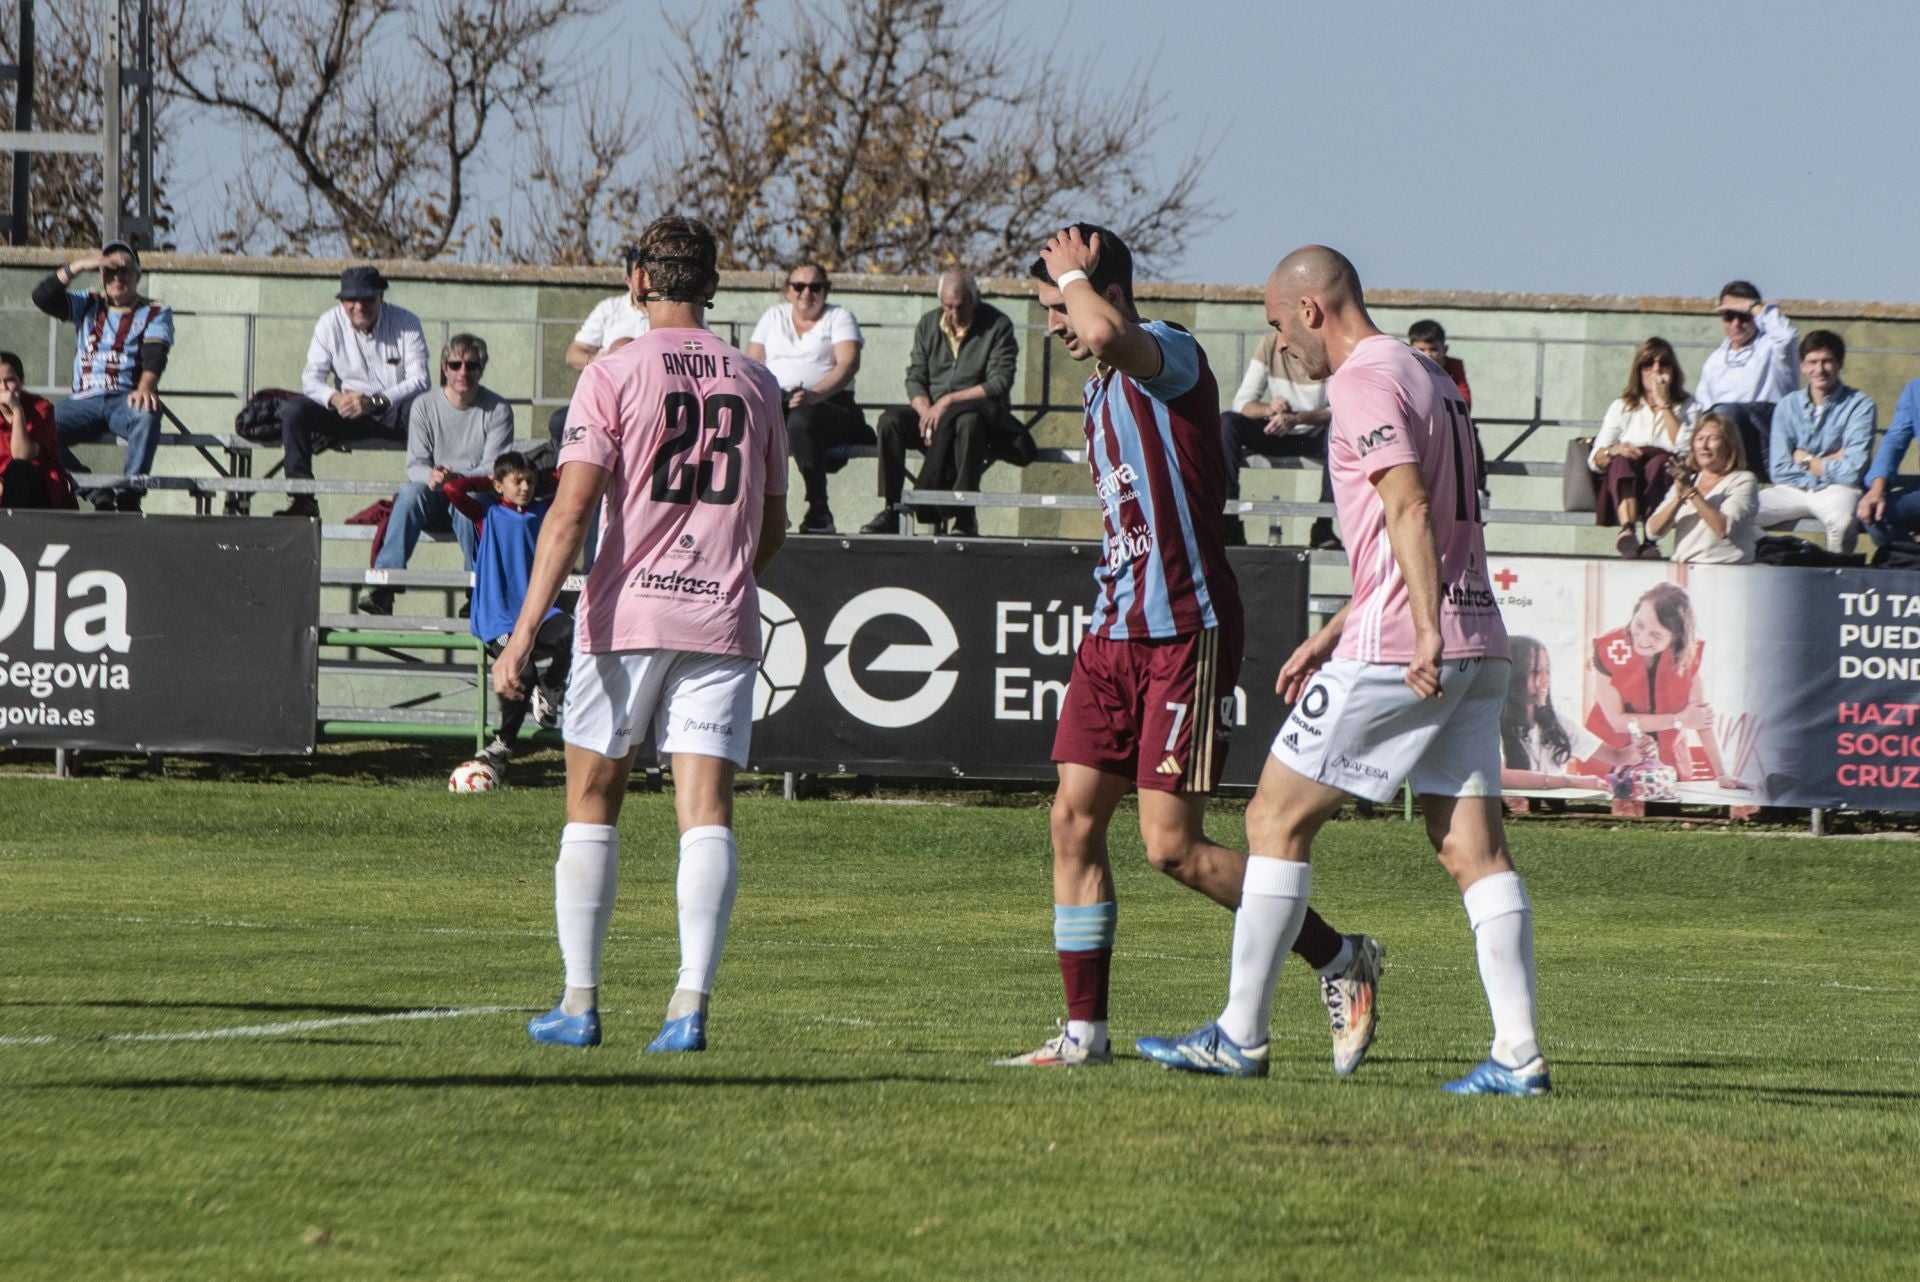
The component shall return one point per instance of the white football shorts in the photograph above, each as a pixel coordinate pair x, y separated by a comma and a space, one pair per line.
699, 703
1359, 728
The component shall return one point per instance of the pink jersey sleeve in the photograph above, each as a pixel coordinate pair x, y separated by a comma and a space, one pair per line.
1373, 421
592, 433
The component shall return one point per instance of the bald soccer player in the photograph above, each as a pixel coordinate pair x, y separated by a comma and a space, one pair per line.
1406, 682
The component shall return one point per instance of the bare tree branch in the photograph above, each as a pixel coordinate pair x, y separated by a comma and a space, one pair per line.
379, 112
908, 135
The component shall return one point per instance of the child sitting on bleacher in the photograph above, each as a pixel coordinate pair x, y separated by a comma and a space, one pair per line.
509, 530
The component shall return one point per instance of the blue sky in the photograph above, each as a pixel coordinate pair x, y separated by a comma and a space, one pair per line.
1622, 147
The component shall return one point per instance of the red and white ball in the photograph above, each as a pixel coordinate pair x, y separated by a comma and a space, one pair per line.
473, 776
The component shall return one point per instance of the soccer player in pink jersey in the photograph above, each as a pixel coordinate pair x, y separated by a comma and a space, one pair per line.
683, 437
1406, 682
1150, 700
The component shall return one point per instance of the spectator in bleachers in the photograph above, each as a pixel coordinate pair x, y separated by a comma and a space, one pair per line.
122, 339
1821, 439
1753, 367
30, 472
813, 350
611, 325
367, 361
1714, 504
1890, 508
1428, 338
959, 388
1649, 423
509, 533
452, 434
1281, 413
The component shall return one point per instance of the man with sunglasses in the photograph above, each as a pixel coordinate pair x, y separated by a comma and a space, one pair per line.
812, 349
1756, 365
122, 341
457, 433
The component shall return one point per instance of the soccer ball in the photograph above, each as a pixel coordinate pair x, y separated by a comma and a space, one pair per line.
473, 776
783, 657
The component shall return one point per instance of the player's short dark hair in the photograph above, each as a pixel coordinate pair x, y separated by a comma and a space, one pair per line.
1114, 268
682, 259
1741, 289
13, 362
1825, 340
1427, 331
510, 463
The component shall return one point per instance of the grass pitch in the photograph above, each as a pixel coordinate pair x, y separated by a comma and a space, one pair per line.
216, 1059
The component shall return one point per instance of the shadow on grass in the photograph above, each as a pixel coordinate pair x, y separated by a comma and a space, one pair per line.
278, 1008
469, 1081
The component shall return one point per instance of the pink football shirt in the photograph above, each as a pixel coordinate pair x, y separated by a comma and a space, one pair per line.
695, 437
1392, 406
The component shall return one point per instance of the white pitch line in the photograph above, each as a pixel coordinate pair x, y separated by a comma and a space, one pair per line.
265, 1030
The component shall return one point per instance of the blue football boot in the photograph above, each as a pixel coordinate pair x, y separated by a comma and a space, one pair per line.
1490, 1077
1206, 1049
688, 1033
557, 1028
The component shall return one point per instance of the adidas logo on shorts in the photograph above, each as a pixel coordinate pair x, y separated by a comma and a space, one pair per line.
1292, 741
1170, 766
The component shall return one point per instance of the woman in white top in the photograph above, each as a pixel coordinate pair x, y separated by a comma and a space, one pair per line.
1278, 412
1715, 501
1650, 423
813, 351
1536, 750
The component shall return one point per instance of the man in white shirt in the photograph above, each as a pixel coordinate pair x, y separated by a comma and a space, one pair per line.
1281, 413
813, 351
1756, 364
366, 362
611, 325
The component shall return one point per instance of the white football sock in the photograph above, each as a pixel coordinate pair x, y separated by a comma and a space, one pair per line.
1502, 921
1273, 904
584, 879
1089, 1033
709, 874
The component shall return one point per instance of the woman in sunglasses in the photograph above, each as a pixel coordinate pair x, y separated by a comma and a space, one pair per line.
1651, 422
812, 348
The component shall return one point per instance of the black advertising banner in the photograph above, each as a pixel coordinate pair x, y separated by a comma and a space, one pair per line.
158, 633
1719, 684
943, 657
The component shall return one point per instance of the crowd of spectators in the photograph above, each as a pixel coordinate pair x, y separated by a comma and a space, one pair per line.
1770, 434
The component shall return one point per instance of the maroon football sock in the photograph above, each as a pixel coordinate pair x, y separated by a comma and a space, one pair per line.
1084, 975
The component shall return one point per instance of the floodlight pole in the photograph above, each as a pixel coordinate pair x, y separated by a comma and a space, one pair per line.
109, 144
22, 121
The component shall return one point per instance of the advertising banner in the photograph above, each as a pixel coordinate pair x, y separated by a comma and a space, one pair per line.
158, 633
1717, 684
951, 658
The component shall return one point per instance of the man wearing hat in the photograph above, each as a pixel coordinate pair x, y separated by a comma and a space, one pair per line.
121, 344
366, 362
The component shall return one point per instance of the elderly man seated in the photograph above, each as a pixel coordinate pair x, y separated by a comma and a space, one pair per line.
366, 361
959, 380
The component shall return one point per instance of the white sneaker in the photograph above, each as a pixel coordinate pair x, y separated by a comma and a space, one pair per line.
1059, 1052
546, 707
1353, 1003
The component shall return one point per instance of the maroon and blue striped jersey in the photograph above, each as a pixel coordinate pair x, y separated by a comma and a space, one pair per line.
106, 358
1154, 450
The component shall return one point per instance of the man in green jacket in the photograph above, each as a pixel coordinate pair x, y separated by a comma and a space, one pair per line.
959, 380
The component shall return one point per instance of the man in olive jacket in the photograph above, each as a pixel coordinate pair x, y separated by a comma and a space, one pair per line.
959, 379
